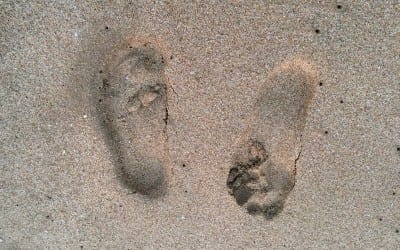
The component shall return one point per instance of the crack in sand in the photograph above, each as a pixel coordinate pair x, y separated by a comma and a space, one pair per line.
298, 157
165, 119
166, 115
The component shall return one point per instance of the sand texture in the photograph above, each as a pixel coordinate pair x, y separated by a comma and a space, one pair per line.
199, 125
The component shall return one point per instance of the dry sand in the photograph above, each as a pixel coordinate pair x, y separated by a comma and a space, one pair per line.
58, 184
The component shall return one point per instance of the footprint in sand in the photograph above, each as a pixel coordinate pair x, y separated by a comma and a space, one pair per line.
135, 112
264, 168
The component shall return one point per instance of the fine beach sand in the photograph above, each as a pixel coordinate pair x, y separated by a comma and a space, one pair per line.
62, 178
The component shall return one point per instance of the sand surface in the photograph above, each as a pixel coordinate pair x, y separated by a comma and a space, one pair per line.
58, 185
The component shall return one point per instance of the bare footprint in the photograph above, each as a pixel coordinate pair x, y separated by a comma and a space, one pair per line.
264, 168
135, 112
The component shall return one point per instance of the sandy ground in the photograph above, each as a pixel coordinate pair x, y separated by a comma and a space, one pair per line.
58, 187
